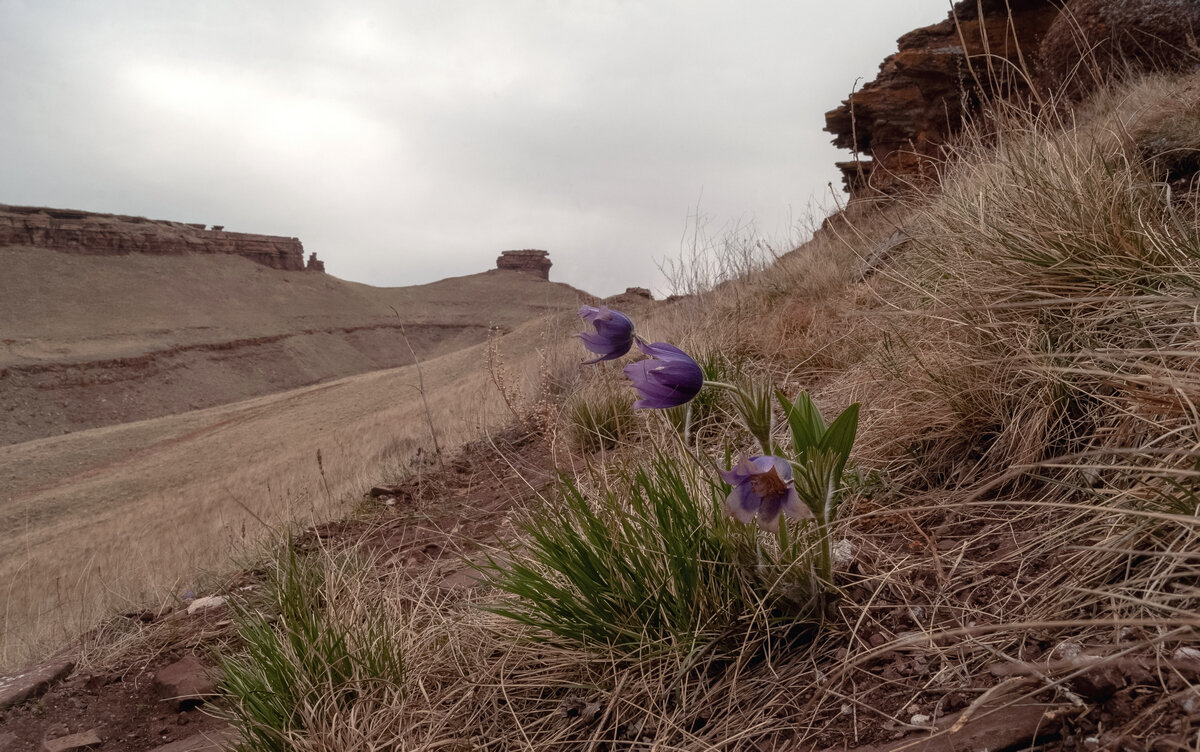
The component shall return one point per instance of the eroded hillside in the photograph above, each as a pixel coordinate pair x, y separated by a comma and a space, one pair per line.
89, 341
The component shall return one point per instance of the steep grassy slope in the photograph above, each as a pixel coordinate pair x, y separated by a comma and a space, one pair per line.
88, 341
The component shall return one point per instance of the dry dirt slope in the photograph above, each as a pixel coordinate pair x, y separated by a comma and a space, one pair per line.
89, 341
115, 517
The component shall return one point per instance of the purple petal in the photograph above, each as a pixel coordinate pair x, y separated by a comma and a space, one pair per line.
782, 467
795, 508
742, 503
768, 512
663, 351
595, 342
742, 470
613, 337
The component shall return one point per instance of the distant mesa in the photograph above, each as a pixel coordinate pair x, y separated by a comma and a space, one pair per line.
531, 261
95, 234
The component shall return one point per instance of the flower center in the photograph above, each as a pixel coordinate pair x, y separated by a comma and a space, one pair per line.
768, 485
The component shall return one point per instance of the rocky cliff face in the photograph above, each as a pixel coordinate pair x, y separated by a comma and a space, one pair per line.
940, 74
113, 234
993, 49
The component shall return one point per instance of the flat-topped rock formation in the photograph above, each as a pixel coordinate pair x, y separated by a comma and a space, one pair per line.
529, 260
96, 234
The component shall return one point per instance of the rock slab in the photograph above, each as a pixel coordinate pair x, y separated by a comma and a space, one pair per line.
208, 742
34, 682
185, 683
84, 740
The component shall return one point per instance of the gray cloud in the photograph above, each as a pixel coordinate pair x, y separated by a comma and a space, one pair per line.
406, 142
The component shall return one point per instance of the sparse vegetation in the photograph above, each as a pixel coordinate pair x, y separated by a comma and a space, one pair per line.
600, 418
313, 653
649, 567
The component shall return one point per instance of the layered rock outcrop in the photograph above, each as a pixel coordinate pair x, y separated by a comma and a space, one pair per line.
940, 74
530, 261
114, 234
996, 49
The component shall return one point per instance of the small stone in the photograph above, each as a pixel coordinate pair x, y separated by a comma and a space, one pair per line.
1068, 650
203, 604
843, 553
85, 740
462, 579
210, 742
385, 491
1187, 654
920, 719
184, 683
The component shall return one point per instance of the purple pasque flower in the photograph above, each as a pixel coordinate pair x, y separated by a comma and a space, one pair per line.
668, 378
613, 336
763, 486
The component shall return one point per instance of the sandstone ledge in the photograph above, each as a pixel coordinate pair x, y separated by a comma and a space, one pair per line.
90, 233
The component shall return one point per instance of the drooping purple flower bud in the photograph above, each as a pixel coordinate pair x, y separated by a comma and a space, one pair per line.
667, 379
763, 486
613, 336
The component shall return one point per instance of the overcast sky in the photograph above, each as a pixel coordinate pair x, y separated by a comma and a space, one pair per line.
405, 142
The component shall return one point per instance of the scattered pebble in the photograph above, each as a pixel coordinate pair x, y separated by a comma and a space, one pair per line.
843, 553
202, 604
1187, 654
920, 719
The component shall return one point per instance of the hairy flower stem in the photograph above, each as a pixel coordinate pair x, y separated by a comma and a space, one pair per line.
755, 412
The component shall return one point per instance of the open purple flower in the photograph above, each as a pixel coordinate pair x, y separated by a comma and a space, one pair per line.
667, 379
613, 336
763, 486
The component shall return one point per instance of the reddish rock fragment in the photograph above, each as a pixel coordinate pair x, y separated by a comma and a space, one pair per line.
209, 742
33, 682
84, 740
184, 683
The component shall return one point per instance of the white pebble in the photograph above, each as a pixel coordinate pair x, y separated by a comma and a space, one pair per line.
202, 604
843, 553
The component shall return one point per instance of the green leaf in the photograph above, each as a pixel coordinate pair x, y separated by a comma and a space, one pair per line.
839, 439
805, 421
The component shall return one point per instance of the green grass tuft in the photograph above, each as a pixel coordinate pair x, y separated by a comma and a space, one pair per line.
656, 570
305, 654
